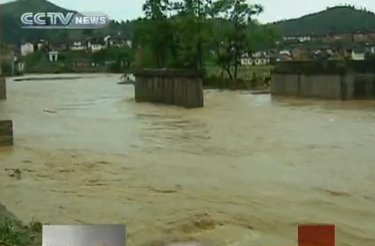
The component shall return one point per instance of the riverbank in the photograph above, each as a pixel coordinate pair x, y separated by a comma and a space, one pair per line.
14, 233
56, 77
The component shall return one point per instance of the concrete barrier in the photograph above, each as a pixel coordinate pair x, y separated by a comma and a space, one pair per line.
6, 133
174, 87
364, 86
332, 81
3, 88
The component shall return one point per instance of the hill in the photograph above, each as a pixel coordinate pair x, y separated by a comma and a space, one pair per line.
13, 33
11, 26
18, 7
339, 19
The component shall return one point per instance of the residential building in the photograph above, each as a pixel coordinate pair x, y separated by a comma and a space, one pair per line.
297, 38
78, 45
96, 47
41, 44
26, 49
257, 59
356, 36
97, 43
118, 40
358, 54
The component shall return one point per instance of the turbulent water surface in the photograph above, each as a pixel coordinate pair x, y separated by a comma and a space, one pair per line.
243, 170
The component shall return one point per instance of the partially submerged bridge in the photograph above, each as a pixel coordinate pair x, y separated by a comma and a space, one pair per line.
170, 86
343, 80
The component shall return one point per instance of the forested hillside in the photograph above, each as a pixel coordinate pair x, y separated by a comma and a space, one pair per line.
337, 19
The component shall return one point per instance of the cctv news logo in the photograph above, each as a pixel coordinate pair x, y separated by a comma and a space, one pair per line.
70, 20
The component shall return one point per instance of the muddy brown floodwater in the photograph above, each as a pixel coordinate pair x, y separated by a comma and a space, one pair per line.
244, 170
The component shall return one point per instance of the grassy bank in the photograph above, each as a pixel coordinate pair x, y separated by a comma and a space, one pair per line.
249, 78
14, 233
244, 72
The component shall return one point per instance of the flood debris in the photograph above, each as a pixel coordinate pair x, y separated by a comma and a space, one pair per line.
14, 173
50, 111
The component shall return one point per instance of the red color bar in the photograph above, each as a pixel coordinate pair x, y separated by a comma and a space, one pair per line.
316, 235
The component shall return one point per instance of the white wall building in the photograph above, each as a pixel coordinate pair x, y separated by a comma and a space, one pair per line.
298, 38
96, 47
78, 45
27, 48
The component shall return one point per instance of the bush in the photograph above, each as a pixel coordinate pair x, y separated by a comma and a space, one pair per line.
216, 82
114, 67
6, 68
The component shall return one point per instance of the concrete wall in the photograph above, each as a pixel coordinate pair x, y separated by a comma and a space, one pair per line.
6, 133
3, 89
364, 86
174, 87
330, 86
330, 79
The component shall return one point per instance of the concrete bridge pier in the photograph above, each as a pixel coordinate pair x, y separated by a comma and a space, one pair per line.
3, 88
6, 133
170, 86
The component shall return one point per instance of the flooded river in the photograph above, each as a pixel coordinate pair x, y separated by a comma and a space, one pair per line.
244, 170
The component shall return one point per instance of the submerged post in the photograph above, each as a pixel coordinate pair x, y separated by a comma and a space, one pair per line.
170, 86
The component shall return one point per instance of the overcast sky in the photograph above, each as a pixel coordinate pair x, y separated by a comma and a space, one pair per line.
274, 9
83, 235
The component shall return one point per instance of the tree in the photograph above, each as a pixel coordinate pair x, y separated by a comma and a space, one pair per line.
154, 30
181, 33
231, 41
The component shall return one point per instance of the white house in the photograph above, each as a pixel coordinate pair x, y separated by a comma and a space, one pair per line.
358, 55
27, 48
298, 38
117, 40
257, 59
78, 45
96, 47
42, 43
96, 44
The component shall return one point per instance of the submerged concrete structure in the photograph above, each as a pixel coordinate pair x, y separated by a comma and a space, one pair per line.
6, 133
6, 126
170, 86
3, 88
345, 80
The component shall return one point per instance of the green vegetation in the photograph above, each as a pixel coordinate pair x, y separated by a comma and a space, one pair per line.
6, 68
196, 33
11, 26
324, 22
112, 59
14, 233
339, 19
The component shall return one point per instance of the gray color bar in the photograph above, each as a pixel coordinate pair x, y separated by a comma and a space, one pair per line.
84, 235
